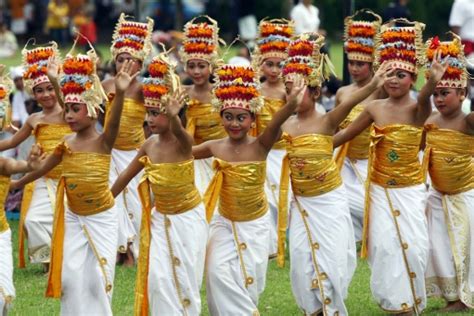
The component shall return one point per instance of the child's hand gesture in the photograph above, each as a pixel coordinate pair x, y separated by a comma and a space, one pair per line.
52, 70
383, 74
125, 76
175, 103
438, 67
297, 92
36, 157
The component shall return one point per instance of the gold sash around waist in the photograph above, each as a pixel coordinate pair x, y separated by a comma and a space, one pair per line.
131, 135
4, 188
270, 107
203, 123
449, 155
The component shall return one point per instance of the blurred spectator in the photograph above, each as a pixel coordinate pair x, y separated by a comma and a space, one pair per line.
19, 98
242, 58
247, 22
306, 17
83, 21
328, 93
8, 43
18, 22
396, 9
58, 20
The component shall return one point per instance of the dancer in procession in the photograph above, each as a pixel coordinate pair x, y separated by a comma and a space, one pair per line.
49, 128
131, 41
448, 153
174, 228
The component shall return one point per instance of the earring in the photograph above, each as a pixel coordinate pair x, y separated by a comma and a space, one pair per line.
462, 98
253, 125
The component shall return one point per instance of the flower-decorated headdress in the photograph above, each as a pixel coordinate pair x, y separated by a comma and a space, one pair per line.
201, 41
132, 37
359, 36
304, 59
274, 39
237, 87
35, 63
402, 46
79, 82
456, 74
6, 86
162, 82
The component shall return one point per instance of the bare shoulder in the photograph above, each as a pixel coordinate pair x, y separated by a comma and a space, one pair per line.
108, 85
432, 118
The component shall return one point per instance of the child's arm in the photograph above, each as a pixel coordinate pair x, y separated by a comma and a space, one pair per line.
470, 122
40, 163
273, 130
203, 151
340, 112
122, 82
128, 174
18, 137
11, 166
173, 107
53, 73
435, 74
355, 128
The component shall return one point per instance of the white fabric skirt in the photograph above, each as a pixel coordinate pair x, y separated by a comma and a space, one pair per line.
7, 290
322, 251
203, 174
236, 265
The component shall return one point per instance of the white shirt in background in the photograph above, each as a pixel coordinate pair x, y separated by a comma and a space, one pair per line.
306, 18
462, 15
19, 112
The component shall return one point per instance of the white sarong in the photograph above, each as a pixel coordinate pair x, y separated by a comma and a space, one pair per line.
272, 189
322, 251
236, 265
127, 202
174, 283
398, 247
88, 269
354, 174
7, 290
39, 220
203, 174
451, 226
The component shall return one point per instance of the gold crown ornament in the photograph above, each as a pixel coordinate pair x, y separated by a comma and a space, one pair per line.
35, 63
6, 87
274, 39
359, 36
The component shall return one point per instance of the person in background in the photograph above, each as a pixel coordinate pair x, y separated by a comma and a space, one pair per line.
306, 17
396, 9
8, 42
58, 20
84, 22
18, 21
19, 98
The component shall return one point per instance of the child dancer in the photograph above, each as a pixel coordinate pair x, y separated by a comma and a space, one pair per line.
199, 55
449, 151
395, 234
174, 229
352, 157
131, 41
85, 232
48, 127
273, 41
322, 247
237, 252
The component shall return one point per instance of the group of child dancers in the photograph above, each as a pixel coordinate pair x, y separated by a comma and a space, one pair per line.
259, 151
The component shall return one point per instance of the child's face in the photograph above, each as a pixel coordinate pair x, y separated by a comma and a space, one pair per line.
399, 84
448, 100
75, 115
157, 121
237, 122
199, 71
44, 94
359, 70
271, 69
123, 57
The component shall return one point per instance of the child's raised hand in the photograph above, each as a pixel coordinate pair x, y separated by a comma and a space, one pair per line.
35, 157
175, 103
297, 91
438, 66
52, 69
125, 76
384, 74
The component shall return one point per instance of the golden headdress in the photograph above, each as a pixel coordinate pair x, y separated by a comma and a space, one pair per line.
6, 87
162, 82
237, 87
35, 63
304, 59
79, 81
402, 46
456, 74
132, 37
201, 41
359, 43
274, 39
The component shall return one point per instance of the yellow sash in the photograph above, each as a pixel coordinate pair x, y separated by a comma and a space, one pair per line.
4, 187
174, 192
270, 107
393, 163
203, 123
449, 154
85, 179
131, 135
358, 148
313, 172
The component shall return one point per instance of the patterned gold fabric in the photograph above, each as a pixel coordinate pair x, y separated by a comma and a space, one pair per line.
357, 148
131, 135
270, 107
203, 123
450, 156
4, 187
239, 187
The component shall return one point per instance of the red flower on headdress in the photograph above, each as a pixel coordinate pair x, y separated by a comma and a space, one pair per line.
434, 42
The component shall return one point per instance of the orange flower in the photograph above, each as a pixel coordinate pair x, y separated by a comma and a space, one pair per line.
267, 29
200, 30
154, 91
357, 47
231, 73
75, 65
272, 46
361, 31
3, 93
407, 36
39, 54
157, 69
